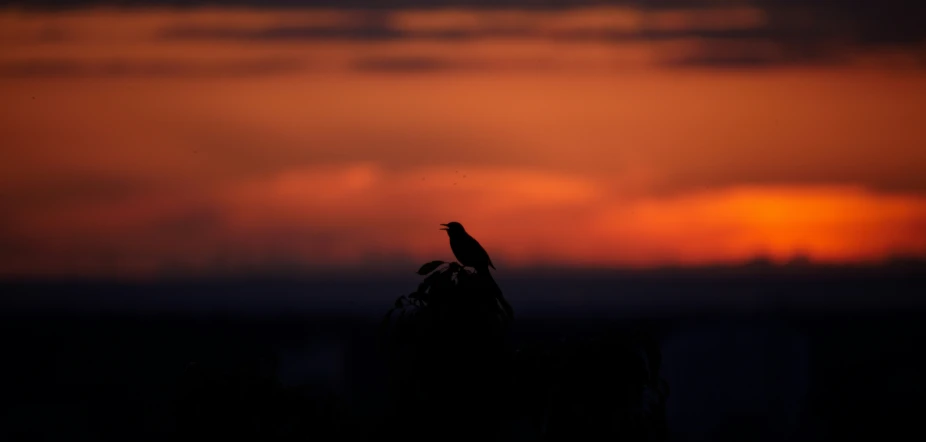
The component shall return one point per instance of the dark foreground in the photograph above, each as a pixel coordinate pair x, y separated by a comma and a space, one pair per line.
772, 372
762, 378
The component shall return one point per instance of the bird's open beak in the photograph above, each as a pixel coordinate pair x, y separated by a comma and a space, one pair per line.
444, 228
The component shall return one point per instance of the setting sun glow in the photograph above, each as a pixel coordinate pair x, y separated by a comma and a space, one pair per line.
139, 142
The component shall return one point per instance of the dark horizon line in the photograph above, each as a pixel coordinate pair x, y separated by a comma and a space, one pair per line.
759, 266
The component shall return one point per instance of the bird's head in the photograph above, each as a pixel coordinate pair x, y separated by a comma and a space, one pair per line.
453, 228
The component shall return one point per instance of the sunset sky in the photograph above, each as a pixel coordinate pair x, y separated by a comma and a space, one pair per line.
159, 140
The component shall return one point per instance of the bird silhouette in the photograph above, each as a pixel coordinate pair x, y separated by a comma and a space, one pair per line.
470, 253
466, 249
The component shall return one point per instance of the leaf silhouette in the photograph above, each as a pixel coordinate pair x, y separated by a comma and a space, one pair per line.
429, 267
428, 282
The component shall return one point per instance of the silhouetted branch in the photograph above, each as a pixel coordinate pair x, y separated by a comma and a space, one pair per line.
445, 343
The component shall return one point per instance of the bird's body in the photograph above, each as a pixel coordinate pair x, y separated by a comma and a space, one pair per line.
470, 253
466, 249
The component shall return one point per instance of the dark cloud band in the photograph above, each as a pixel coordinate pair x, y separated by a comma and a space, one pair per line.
130, 68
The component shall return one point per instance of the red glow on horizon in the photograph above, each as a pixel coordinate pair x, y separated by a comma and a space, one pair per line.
127, 152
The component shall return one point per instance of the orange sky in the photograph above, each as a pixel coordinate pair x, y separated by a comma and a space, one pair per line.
128, 153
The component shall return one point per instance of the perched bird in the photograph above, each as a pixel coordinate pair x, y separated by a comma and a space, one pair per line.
467, 250
471, 254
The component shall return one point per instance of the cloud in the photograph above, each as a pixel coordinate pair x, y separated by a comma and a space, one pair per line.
147, 68
186, 42
425, 64
871, 21
618, 25
363, 215
673, 131
312, 218
410, 64
742, 34
628, 166
750, 53
74, 189
284, 33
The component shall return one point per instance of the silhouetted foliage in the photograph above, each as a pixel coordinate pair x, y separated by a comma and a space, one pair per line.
446, 347
451, 291
451, 368
429, 267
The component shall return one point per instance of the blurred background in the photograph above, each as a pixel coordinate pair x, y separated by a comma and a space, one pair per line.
179, 138
745, 176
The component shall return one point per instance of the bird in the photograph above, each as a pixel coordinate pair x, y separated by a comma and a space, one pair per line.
466, 249
471, 254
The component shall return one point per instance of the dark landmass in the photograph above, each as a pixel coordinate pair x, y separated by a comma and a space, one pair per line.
752, 353
758, 286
